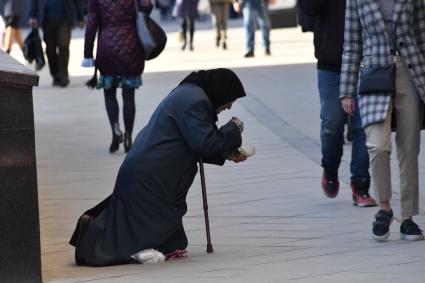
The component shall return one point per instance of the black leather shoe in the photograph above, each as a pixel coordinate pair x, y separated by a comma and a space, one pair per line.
127, 142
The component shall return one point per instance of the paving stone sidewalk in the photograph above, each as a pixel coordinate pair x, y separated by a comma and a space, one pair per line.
269, 220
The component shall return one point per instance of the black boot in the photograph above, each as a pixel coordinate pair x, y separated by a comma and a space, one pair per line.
115, 144
127, 142
116, 138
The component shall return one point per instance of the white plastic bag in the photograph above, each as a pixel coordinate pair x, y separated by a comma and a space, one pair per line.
149, 256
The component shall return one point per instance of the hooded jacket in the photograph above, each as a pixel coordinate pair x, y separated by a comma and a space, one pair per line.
328, 32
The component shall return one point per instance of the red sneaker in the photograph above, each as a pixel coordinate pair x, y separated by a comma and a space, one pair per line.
330, 182
361, 197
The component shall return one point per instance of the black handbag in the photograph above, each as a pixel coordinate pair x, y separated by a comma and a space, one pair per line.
377, 80
33, 50
151, 35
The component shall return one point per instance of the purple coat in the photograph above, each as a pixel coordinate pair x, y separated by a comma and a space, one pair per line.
119, 51
186, 8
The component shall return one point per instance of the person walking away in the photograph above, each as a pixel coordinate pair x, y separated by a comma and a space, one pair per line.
56, 18
120, 58
148, 203
328, 44
380, 35
254, 10
187, 11
220, 15
13, 12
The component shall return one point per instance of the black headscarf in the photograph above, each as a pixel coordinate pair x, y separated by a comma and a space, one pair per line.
221, 85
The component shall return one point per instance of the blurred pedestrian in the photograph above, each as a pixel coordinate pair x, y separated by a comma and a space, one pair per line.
164, 8
56, 17
146, 207
120, 58
383, 36
220, 15
328, 19
254, 10
187, 11
13, 12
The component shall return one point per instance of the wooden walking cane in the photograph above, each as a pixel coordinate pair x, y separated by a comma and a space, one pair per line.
204, 199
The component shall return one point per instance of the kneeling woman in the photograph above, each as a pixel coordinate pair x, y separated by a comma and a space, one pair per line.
146, 207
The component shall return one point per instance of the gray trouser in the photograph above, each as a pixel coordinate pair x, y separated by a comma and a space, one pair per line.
220, 14
408, 112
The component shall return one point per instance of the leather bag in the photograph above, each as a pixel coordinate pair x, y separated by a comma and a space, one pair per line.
377, 80
151, 35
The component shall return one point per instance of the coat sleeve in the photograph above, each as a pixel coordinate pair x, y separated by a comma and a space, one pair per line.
91, 28
196, 125
353, 50
312, 7
420, 24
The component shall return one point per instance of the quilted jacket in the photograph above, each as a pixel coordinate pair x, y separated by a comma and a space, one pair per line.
119, 51
366, 44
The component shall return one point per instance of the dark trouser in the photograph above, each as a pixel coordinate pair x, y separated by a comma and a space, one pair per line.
57, 36
129, 107
184, 24
332, 128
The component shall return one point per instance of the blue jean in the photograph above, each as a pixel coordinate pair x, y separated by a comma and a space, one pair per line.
332, 128
251, 10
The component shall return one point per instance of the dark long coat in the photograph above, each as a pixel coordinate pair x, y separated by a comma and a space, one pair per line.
73, 10
119, 51
149, 199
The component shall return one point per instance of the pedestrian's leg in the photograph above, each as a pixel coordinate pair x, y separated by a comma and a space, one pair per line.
49, 36
378, 142
214, 17
63, 41
112, 109
129, 112
333, 119
408, 113
18, 37
191, 31
184, 30
224, 18
8, 39
248, 22
264, 22
359, 166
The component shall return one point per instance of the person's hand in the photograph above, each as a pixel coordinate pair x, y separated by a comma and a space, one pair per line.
237, 157
33, 22
238, 123
237, 7
347, 104
80, 24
